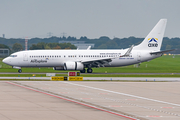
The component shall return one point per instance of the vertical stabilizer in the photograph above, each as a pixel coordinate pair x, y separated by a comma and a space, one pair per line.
154, 39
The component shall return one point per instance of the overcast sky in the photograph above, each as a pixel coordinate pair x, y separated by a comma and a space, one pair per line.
90, 18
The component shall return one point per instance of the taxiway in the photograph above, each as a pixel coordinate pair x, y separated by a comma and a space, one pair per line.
89, 100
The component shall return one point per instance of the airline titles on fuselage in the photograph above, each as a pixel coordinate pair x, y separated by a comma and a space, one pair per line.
38, 61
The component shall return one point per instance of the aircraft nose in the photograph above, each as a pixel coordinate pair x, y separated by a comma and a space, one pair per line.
5, 60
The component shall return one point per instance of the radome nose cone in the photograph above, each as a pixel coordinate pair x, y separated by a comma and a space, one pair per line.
4, 60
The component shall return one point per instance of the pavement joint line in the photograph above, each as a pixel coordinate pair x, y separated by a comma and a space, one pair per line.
70, 100
159, 101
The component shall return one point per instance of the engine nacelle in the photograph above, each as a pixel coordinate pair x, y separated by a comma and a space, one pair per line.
73, 66
58, 68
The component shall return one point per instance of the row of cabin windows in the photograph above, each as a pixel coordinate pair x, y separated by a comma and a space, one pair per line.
44, 56
94, 56
56, 56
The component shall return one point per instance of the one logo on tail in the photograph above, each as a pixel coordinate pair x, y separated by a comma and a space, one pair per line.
153, 42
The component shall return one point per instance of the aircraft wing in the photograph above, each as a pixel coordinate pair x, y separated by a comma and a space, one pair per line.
102, 61
97, 62
161, 51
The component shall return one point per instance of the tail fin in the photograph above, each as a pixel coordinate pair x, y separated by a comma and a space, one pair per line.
154, 39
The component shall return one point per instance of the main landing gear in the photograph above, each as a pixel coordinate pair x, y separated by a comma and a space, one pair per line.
20, 71
89, 70
83, 71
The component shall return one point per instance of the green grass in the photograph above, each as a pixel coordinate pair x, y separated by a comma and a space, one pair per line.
22, 75
93, 75
164, 64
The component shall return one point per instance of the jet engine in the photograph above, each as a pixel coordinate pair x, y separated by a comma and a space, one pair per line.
73, 66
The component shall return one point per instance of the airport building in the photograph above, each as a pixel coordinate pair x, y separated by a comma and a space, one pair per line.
4, 52
79, 44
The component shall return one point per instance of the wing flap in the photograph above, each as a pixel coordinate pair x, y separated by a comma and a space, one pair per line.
97, 60
102, 61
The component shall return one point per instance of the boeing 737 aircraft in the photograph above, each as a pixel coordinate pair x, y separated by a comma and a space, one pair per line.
81, 59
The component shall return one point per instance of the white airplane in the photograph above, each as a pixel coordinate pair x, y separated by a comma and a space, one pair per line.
81, 59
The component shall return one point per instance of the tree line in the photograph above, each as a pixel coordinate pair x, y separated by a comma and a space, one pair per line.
100, 43
43, 45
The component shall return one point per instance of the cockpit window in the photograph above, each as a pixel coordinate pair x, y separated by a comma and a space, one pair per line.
13, 55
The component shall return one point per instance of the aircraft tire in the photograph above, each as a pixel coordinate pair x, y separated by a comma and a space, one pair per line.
83, 71
89, 70
19, 70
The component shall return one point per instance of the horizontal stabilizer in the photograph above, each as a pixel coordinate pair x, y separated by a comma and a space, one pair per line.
162, 51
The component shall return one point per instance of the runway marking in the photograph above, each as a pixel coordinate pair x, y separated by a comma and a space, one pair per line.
81, 88
86, 98
94, 107
154, 116
131, 99
167, 107
104, 93
64, 92
114, 106
159, 101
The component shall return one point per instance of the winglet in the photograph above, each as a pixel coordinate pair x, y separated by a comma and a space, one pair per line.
128, 52
89, 48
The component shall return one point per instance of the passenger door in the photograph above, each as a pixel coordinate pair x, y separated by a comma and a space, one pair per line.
25, 57
139, 56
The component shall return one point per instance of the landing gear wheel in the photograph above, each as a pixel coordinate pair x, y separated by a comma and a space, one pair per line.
89, 70
19, 70
83, 71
